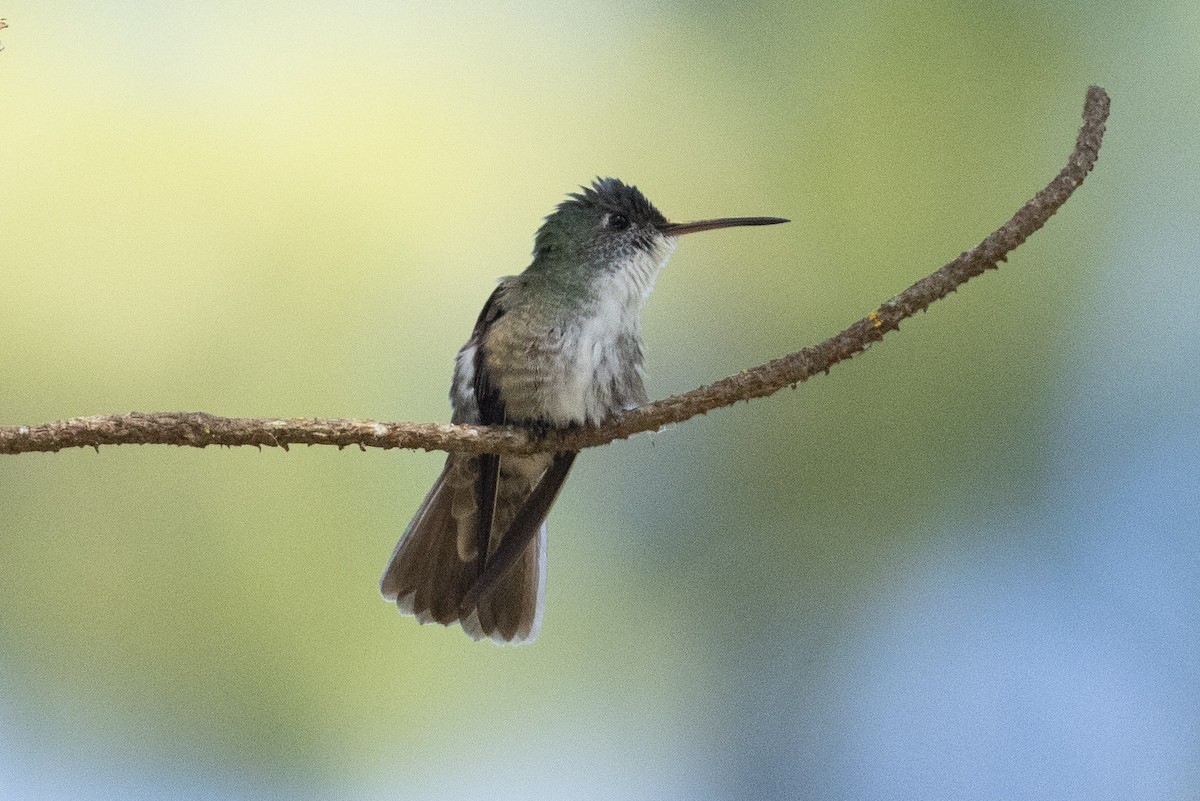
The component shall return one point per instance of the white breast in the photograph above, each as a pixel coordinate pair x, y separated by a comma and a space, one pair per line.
572, 370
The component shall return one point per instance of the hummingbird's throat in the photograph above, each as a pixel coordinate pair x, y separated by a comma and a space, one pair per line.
641, 267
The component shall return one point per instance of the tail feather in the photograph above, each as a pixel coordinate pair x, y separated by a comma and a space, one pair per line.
428, 578
512, 611
422, 577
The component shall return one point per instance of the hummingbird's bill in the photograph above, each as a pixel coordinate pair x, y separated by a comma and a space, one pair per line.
679, 229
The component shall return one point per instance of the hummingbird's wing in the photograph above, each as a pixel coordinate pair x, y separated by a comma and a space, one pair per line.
503, 486
461, 525
489, 410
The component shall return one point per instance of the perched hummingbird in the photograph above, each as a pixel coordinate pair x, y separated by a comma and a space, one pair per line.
556, 346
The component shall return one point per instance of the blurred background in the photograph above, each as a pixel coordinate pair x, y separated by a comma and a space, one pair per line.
965, 565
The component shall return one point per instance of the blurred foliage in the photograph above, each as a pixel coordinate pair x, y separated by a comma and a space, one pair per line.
291, 209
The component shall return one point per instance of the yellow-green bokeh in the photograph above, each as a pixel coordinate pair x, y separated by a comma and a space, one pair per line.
296, 210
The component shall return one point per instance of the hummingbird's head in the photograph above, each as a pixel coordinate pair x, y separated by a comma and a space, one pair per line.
609, 230
602, 227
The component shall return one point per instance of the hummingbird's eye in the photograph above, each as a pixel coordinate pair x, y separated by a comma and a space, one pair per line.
618, 222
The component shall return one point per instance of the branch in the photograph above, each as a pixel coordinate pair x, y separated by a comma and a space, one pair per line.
198, 429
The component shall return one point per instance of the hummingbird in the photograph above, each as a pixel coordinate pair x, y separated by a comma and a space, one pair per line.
555, 347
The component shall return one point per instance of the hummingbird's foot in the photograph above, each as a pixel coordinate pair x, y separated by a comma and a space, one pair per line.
539, 429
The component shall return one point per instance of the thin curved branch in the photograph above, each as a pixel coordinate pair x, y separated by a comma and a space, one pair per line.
198, 429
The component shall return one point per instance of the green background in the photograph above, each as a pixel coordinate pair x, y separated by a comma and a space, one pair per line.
964, 565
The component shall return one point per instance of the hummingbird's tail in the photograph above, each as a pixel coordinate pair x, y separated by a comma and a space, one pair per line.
436, 564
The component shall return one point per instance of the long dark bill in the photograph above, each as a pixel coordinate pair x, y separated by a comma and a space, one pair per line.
679, 229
